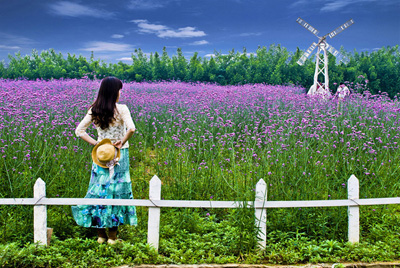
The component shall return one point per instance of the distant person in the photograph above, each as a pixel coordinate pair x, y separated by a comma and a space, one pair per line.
110, 178
342, 92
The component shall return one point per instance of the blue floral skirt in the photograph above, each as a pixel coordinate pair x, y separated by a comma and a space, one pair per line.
101, 185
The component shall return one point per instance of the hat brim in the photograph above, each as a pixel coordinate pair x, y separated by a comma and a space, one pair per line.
94, 152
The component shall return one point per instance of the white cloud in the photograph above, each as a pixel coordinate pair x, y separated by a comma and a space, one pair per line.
145, 27
198, 43
14, 40
107, 46
145, 4
9, 47
250, 34
336, 5
182, 33
163, 31
71, 9
299, 3
117, 36
125, 59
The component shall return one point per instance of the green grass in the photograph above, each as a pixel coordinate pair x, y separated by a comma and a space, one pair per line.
193, 237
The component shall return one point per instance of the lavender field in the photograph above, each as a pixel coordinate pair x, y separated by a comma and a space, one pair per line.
204, 142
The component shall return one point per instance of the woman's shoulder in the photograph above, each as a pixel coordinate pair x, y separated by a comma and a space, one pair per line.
123, 110
122, 107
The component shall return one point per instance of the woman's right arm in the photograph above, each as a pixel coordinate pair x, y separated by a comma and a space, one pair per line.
130, 126
80, 130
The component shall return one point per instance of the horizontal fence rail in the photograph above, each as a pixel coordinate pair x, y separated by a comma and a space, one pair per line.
154, 203
200, 204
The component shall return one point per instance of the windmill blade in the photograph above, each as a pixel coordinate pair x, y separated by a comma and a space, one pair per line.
341, 28
307, 26
339, 56
306, 54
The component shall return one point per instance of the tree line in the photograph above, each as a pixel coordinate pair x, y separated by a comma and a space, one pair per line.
376, 71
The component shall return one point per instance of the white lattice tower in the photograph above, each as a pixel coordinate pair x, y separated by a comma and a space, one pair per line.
321, 67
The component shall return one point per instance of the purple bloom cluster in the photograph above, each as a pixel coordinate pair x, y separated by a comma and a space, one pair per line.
212, 140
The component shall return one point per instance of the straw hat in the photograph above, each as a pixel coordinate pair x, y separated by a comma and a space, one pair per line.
105, 154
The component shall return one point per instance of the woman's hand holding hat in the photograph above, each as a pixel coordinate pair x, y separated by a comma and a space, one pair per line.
106, 154
118, 144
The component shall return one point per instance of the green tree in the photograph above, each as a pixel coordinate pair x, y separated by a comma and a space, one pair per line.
180, 65
294, 72
141, 69
195, 72
158, 70
238, 67
17, 66
3, 69
212, 70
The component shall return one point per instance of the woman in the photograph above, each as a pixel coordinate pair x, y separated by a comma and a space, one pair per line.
110, 170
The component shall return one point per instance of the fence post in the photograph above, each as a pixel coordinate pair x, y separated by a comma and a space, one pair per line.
39, 214
153, 229
261, 213
353, 211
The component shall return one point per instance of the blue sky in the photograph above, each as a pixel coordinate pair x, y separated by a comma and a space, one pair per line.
113, 29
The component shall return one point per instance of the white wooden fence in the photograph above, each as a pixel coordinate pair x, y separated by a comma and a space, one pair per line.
40, 202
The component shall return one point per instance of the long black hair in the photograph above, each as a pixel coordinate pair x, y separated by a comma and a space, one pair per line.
104, 107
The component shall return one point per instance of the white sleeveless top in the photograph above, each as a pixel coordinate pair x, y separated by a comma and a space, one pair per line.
116, 130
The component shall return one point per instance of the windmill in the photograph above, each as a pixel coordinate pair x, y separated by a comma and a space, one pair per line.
321, 64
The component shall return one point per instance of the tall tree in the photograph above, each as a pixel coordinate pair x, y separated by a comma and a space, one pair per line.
195, 72
180, 65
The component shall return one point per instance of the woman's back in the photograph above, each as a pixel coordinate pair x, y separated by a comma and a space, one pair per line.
116, 129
